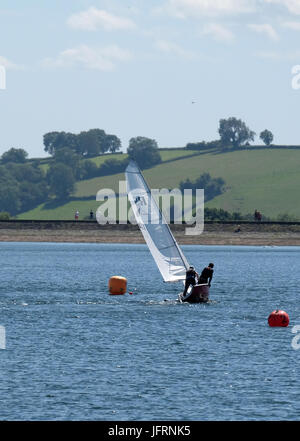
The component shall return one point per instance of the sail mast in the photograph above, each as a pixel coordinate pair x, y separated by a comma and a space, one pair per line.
163, 220
166, 252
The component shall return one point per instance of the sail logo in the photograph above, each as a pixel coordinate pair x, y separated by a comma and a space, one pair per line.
158, 206
140, 201
2, 78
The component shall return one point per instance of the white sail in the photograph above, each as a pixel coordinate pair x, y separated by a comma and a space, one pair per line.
167, 255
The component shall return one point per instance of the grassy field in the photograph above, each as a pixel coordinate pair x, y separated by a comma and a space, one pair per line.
165, 156
266, 180
98, 160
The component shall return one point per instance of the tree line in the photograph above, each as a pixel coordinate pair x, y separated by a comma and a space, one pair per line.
24, 183
234, 133
23, 186
89, 143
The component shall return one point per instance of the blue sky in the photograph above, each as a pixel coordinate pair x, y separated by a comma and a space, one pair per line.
165, 69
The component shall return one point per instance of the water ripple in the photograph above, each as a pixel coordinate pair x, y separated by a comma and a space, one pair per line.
74, 352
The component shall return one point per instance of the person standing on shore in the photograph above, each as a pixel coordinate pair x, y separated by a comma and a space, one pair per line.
76, 215
257, 216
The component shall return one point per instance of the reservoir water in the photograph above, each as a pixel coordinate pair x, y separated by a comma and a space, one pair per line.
75, 353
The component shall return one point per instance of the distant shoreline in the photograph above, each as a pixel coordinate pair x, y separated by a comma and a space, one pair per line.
215, 233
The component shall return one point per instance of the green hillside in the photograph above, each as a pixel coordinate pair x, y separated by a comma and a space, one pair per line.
265, 179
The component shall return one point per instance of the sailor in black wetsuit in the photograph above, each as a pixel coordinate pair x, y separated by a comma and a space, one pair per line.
206, 275
191, 277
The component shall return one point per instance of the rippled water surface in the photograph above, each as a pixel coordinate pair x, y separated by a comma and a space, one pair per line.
75, 353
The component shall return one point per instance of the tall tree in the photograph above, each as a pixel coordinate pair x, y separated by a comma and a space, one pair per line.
234, 132
61, 180
9, 198
54, 141
90, 143
25, 172
49, 142
87, 169
14, 155
9, 192
100, 137
28, 183
112, 143
267, 137
67, 157
144, 151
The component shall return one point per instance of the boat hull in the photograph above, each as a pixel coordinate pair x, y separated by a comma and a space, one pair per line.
196, 294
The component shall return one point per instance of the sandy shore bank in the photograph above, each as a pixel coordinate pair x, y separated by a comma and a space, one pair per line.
91, 232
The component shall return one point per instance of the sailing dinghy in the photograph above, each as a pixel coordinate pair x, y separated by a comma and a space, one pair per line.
166, 252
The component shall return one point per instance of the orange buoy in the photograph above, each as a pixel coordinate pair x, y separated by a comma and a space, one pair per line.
117, 285
278, 318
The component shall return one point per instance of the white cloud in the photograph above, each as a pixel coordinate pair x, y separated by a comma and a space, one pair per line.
294, 25
266, 29
103, 59
173, 48
191, 8
5, 62
292, 5
218, 32
196, 8
93, 19
292, 56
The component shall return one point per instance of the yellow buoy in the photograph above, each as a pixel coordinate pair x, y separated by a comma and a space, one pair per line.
117, 285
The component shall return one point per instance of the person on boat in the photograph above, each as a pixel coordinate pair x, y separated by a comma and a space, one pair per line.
206, 275
190, 279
